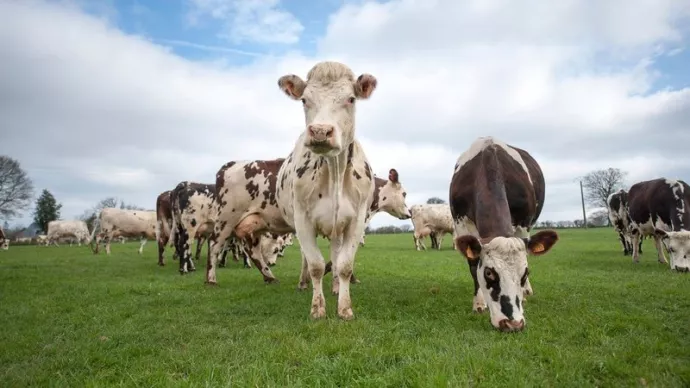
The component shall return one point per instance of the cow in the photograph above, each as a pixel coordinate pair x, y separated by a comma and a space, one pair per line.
192, 212
496, 195
287, 242
323, 187
4, 241
41, 239
661, 208
389, 196
619, 216
116, 222
428, 219
60, 230
164, 224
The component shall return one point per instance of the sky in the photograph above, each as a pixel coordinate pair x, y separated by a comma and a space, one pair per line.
127, 98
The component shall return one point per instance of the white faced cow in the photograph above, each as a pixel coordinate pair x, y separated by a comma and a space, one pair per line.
496, 196
4, 241
59, 230
324, 187
661, 208
428, 219
193, 214
128, 223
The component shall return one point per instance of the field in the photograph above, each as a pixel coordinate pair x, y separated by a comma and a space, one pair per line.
70, 318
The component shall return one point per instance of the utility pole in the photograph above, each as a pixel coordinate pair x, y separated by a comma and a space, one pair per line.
582, 196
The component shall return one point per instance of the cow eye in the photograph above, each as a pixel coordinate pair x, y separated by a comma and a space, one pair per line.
488, 273
304, 101
351, 100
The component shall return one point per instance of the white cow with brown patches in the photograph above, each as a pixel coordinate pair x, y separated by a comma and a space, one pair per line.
389, 196
116, 222
428, 219
324, 187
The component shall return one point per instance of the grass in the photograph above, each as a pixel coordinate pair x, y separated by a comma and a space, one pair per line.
70, 318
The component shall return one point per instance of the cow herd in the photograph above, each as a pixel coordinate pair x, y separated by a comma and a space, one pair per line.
326, 187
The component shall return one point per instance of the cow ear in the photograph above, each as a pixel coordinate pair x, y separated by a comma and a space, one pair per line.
469, 246
365, 86
660, 234
393, 175
292, 85
541, 242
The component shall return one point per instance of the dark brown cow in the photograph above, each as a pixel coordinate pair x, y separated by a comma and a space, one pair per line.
164, 224
661, 208
496, 196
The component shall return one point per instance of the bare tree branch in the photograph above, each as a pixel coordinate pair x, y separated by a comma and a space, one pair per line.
600, 184
16, 189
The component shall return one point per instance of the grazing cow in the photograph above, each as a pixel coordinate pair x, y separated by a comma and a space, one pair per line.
287, 242
164, 225
116, 222
42, 239
192, 212
661, 208
324, 187
619, 217
61, 230
496, 196
4, 241
431, 218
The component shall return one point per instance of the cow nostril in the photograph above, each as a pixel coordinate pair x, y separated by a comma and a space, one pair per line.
329, 132
682, 269
508, 325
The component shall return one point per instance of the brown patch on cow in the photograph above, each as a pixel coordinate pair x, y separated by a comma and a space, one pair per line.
252, 189
367, 170
220, 176
378, 185
356, 174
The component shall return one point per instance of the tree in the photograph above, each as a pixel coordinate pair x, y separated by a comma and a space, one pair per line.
600, 184
47, 209
16, 189
434, 200
598, 218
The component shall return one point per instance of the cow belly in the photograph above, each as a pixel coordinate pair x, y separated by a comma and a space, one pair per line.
322, 215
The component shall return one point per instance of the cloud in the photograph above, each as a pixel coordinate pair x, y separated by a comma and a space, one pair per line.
94, 112
254, 21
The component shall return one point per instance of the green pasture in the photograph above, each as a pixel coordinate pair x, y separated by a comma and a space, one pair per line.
70, 318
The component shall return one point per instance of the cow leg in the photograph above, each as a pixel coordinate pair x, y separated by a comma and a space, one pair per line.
221, 233
304, 273
660, 250
107, 245
346, 249
624, 243
161, 251
636, 244
199, 244
439, 240
257, 257
224, 255
182, 246
307, 237
141, 247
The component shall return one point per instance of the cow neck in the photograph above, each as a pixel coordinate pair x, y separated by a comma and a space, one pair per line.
492, 213
336, 174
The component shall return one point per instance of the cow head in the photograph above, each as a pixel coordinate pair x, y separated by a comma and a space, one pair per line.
678, 246
329, 97
271, 245
4, 243
392, 197
502, 272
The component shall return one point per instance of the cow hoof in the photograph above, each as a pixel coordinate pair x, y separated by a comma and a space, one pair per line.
271, 281
161, 264
318, 313
479, 309
355, 281
209, 283
346, 314
302, 286
663, 262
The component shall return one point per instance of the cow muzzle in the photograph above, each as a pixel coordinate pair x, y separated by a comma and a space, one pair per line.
682, 269
320, 138
511, 325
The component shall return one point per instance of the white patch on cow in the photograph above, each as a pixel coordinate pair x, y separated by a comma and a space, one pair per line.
508, 257
482, 143
678, 246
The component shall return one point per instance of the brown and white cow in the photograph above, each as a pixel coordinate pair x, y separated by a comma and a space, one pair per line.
193, 212
323, 187
619, 216
661, 208
164, 225
428, 219
389, 197
496, 196
61, 230
115, 222
4, 241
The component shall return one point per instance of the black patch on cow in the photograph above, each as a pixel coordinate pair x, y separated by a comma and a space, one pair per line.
523, 279
517, 301
367, 170
383, 199
493, 282
350, 153
252, 189
356, 174
302, 170
506, 307
320, 195
193, 222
